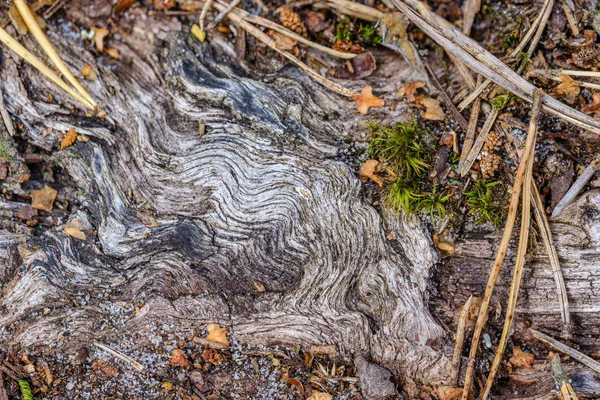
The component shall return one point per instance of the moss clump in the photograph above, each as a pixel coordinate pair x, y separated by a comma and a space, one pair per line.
402, 148
502, 101
486, 201
5, 151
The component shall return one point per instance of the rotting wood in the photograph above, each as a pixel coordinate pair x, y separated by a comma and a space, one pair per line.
579, 184
501, 253
522, 248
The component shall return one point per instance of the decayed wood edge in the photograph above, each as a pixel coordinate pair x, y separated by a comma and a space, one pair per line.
459, 340
562, 379
250, 142
563, 348
483, 62
579, 184
501, 253
514, 148
521, 250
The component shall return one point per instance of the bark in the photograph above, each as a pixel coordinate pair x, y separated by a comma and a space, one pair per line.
185, 224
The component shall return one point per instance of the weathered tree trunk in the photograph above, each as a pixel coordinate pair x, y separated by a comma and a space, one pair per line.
185, 224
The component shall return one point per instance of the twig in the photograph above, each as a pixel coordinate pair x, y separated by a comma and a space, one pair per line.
471, 129
58, 4
40, 66
5, 117
583, 179
537, 27
546, 234
255, 19
120, 356
460, 339
478, 145
471, 9
223, 14
483, 62
39, 35
570, 72
447, 100
205, 8
263, 37
563, 348
521, 250
545, 74
562, 379
506, 235
570, 18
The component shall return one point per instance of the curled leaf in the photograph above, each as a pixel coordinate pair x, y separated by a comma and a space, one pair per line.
433, 110
594, 106
568, 88
99, 35
320, 396
366, 99
410, 89
179, 359
368, 170
521, 359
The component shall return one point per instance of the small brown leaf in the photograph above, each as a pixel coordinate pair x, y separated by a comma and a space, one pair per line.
69, 139
568, 88
179, 359
104, 370
320, 396
433, 110
297, 384
75, 228
365, 100
217, 334
520, 358
114, 53
594, 106
368, 170
448, 393
282, 42
99, 35
410, 89
89, 73
43, 199
122, 5
259, 286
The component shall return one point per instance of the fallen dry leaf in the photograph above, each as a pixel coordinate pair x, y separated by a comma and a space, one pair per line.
122, 5
368, 170
217, 334
448, 393
282, 42
76, 233
99, 35
163, 4
212, 356
259, 286
104, 370
198, 33
320, 396
568, 88
69, 139
520, 358
297, 384
75, 228
410, 89
43, 199
89, 73
114, 53
594, 106
365, 100
433, 110
179, 359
